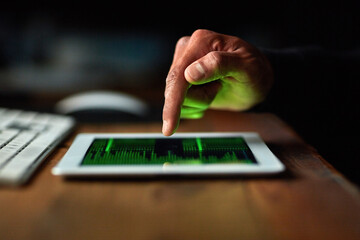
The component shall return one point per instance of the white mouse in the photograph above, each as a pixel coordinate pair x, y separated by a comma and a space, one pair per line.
102, 100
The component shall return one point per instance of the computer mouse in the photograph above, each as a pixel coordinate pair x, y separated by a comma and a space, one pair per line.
103, 106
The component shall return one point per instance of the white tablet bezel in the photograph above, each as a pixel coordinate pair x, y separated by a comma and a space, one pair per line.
70, 164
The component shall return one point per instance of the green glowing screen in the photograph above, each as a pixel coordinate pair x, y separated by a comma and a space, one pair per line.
144, 151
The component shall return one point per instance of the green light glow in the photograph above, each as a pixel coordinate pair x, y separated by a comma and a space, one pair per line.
110, 142
200, 148
188, 162
198, 142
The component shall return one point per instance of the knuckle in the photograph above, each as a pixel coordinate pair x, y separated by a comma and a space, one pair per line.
171, 76
200, 33
170, 81
183, 41
217, 44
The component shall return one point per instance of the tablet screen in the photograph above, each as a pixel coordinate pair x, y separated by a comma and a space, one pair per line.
180, 151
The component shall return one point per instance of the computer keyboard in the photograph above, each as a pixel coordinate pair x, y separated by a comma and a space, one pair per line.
26, 138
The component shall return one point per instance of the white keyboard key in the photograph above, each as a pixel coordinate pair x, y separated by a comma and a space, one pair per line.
7, 135
37, 127
19, 165
25, 140
48, 137
41, 119
15, 145
7, 117
25, 117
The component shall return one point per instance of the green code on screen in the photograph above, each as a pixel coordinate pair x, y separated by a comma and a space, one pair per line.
144, 151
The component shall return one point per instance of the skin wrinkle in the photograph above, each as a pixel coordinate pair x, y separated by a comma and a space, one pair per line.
218, 44
171, 81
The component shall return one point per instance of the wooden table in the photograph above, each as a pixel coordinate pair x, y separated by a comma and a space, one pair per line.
311, 200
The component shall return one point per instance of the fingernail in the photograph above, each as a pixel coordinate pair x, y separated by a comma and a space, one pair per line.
196, 71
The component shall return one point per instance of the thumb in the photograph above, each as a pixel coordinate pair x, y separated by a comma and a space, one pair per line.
212, 66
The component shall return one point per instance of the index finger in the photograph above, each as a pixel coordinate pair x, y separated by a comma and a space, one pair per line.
176, 88
175, 91
186, 52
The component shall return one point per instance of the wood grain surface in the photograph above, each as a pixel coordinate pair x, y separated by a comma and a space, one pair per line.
311, 200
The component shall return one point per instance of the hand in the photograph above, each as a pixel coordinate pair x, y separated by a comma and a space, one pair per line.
212, 70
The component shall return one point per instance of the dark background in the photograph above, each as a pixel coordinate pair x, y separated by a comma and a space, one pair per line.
54, 49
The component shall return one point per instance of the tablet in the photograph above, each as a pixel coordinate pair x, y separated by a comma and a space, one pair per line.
144, 154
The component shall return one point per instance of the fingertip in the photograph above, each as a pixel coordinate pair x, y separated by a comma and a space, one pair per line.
171, 116
168, 129
165, 128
